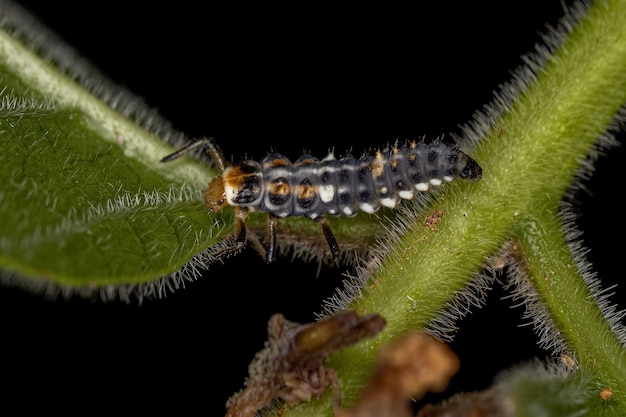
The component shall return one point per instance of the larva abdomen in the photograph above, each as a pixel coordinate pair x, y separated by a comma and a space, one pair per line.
344, 186
306, 180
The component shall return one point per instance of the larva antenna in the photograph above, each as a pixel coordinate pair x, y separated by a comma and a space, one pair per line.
209, 146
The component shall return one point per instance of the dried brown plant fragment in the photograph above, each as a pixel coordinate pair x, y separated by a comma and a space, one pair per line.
291, 365
408, 368
432, 220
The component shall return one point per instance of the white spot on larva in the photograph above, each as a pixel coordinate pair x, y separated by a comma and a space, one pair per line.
231, 194
389, 202
435, 181
329, 157
448, 178
348, 211
406, 195
422, 186
343, 190
367, 207
327, 192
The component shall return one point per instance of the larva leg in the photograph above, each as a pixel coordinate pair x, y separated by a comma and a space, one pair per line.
240, 226
272, 222
330, 237
241, 237
210, 147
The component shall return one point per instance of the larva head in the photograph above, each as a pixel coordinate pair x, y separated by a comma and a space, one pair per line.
471, 171
243, 184
215, 195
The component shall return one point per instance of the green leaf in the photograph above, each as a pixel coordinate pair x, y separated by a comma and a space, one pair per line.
84, 200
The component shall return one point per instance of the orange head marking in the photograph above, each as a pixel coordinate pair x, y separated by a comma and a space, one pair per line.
215, 196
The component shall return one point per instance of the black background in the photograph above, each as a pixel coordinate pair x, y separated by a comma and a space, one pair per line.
290, 79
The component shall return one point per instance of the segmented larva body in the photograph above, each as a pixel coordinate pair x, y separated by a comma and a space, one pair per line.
313, 188
310, 187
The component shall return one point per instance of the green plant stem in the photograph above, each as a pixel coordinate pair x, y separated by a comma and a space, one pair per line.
571, 305
530, 157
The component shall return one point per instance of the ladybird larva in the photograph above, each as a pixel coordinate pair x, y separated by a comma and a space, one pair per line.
314, 188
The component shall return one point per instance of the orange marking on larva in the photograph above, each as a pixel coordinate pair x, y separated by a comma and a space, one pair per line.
235, 177
378, 165
308, 161
279, 187
278, 162
306, 191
